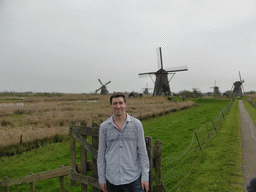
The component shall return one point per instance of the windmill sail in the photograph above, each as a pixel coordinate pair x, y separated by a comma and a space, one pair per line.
216, 92
103, 88
238, 85
162, 86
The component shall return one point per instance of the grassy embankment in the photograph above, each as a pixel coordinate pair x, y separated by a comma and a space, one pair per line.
219, 168
220, 161
251, 110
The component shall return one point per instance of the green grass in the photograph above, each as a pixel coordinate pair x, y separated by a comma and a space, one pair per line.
219, 168
175, 130
251, 110
42, 159
19, 149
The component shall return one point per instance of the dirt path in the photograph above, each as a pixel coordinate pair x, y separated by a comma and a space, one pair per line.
248, 134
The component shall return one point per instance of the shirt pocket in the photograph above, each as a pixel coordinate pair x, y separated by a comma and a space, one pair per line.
112, 136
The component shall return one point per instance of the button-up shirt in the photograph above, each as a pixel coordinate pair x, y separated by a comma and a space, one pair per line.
122, 155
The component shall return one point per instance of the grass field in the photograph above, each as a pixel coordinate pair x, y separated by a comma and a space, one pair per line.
217, 168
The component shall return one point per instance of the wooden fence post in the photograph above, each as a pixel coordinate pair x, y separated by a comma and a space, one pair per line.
214, 127
6, 188
83, 160
62, 181
32, 184
198, 141
72, 152
95, 144
149, 146
158, 161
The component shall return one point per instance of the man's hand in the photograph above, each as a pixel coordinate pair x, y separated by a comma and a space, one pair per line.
145, 186
103, 187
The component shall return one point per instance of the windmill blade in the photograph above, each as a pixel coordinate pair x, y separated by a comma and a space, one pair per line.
108, 82
98, 89
243, 88
159, 57
100, 81
232, 87
177, 69
171, 71
143, 76
171, 77
149, 73
240, 76
152, 79
214, 83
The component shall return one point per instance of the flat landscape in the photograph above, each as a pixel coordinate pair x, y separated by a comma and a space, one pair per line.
185, 167
39, 117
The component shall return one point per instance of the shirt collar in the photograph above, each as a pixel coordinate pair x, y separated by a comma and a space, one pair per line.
110, 120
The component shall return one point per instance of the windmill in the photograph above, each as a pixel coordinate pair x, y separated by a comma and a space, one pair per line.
103, 88
146, 90
237, 90
161, 82
216, 92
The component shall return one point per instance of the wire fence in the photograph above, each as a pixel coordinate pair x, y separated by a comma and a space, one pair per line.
252, 103
176, 169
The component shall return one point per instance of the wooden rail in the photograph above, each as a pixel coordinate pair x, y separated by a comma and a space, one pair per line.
32, 178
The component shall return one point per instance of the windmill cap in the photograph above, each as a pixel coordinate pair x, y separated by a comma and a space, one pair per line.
251, 187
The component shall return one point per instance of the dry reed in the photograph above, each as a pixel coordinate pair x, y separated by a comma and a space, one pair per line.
43, 117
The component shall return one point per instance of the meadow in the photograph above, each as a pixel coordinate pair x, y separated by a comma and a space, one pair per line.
175, 130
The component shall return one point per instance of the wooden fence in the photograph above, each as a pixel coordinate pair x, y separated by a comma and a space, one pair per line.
78, 172
32, 178
80, 134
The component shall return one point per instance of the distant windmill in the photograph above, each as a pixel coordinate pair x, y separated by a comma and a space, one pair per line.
216, 92
146, 90
237, 87
103, 88
162, 86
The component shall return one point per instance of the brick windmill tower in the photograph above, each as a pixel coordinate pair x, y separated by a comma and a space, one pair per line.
238, 86
216, 92
103, 88
161, 82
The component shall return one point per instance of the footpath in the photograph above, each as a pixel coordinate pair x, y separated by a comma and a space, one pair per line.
248, 134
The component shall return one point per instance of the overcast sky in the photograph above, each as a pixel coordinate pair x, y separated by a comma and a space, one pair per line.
65, 45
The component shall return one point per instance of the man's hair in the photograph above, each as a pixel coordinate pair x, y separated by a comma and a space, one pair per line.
115, 95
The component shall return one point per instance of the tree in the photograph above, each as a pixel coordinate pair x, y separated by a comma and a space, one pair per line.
197, 93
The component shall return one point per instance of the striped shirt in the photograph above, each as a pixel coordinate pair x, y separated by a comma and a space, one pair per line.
122, 155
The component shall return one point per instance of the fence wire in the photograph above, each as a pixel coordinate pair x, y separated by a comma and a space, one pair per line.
176, 169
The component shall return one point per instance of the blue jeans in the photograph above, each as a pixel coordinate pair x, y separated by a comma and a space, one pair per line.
134, 186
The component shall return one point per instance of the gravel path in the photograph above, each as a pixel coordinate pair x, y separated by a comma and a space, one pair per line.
248, 134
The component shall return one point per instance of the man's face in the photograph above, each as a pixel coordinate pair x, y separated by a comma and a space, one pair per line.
118, 105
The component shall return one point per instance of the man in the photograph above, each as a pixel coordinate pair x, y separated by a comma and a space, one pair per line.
122, 156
